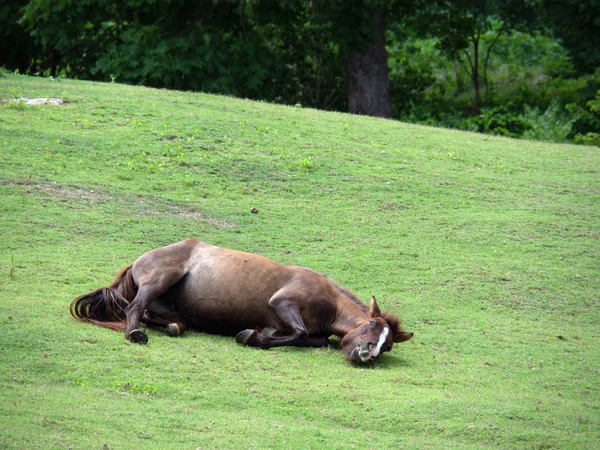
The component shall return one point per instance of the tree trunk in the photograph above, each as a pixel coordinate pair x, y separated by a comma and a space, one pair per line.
475, 74
459, 83
368, 76
487, 59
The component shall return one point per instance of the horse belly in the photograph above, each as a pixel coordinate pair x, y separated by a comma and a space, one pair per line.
226, 299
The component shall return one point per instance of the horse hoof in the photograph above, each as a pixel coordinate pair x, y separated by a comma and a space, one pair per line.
175, 330
138, 337
247, 337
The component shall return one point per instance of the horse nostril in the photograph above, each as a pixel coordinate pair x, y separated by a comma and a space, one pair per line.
370, 346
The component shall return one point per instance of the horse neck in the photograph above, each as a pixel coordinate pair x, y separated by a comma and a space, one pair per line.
348, 316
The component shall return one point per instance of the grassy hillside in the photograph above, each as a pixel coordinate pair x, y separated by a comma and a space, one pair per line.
487, 247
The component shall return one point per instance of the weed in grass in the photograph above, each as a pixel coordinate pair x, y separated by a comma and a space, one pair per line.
11, 272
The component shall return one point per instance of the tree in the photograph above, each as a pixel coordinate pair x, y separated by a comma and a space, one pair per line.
17, 51
358, 30
368, 74
577, 24
266, 49
460, 25
182, 44
313, 69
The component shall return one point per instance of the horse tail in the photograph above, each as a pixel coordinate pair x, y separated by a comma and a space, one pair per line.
105, 307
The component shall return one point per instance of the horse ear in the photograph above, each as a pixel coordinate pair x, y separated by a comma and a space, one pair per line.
374, 309
402, 336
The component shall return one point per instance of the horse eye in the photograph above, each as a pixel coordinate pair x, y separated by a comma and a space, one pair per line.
372, 323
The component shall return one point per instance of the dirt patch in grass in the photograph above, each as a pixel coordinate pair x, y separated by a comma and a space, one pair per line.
178, 211
54, 189
73, 193
138, 205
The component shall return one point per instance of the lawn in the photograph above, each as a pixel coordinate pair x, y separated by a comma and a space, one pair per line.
488, 248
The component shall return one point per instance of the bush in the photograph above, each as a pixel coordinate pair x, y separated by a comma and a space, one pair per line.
554, 124
591, 116
500, 120
588, 139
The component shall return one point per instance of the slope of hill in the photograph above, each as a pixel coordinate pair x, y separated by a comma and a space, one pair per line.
487, 247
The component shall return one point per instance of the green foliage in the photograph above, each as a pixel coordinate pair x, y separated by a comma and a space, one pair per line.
312, 66
588, 139
459, 23
594, 105
576, 24
553, 125
500, 120
527, 88
459, 26
174, 45
284, 53
411, 68
524, 66
591, 115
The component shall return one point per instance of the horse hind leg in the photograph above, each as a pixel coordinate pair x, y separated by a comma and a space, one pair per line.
166, 317
176, 329
154, 286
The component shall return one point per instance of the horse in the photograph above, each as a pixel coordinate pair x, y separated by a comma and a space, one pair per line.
192, 284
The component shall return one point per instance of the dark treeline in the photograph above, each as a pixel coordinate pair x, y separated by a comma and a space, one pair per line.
517, 68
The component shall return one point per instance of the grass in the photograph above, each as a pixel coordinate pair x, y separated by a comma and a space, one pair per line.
487, 247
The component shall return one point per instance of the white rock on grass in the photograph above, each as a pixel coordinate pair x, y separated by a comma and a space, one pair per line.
40, 101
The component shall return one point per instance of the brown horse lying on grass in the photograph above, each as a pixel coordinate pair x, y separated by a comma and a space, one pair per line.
263, 303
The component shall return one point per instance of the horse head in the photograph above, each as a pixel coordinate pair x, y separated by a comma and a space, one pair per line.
373, 336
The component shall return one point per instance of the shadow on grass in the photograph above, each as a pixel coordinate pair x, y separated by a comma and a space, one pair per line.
397, 358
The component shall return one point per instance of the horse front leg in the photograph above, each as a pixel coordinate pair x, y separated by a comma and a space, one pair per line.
311, 341
293, 331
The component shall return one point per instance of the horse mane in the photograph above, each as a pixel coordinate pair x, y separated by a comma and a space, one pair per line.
350, 296
346, 292
393, 321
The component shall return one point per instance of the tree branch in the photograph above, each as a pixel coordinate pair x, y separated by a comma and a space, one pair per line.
487, 58
469, 72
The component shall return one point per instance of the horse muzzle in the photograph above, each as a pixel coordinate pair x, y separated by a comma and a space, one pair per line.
364, 353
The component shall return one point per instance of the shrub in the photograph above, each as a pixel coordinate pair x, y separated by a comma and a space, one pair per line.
554, 124
500, 120
588, 121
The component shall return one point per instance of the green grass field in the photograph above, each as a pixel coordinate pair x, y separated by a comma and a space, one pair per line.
487, 247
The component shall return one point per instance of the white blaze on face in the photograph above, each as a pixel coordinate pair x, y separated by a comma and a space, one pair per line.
382, 338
